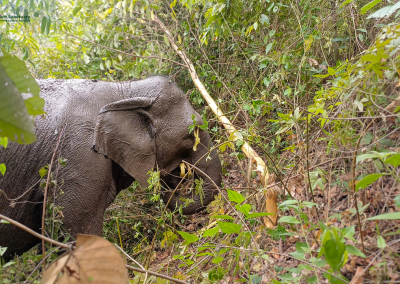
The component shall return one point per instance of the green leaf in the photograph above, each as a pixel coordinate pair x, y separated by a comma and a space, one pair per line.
189, 238
19, 74
334, 253
4, 142
369, 6
229, 228
288, 202
76, 10
302, 247
268, 48
217, 260
298, 255
348, 232
387, 216
43, 171
15, 122
48, 26
385, 11
245, 208
35, 105
259, 214
211, 232
223, 217
166, 40
4, 221
312, 279
235, 196
366, 181
3, 169
288, 219
381, 242
86, 59
43, 25
393, 160
354, 251
24, 81
396, 200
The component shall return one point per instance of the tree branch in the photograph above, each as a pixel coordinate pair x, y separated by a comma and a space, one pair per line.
270, 195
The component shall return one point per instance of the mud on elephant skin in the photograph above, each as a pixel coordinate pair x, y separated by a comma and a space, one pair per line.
113, 133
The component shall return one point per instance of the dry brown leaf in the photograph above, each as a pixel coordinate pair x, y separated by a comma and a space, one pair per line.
94, 260
323, 67
359, 276
312, 62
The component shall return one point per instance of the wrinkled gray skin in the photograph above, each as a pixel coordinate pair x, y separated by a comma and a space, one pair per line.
114, 134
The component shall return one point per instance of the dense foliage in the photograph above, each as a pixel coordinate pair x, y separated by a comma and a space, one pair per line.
311, 85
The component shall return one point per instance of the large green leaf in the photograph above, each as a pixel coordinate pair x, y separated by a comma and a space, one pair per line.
229, 228
355, 251
24, 82
15, 122
235, 196
387, 216
334, 252
393, 160
369, 6
366, 181
190, 238
288, 219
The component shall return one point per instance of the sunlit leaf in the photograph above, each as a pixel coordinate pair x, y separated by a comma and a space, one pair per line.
288, 219
229, 228
211, 232
366, 181
3, 169
235, 196
386, 216
189, 238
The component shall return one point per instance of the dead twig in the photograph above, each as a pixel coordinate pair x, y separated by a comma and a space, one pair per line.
45, 193
32, 232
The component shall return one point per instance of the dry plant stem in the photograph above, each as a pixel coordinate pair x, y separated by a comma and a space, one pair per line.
156, 274
249, 152
308, 163
353, 185
130, 258
45, 193
390, 107
32, 232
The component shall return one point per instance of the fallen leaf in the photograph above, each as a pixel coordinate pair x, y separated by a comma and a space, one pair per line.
323, 67
312, 61
94, 260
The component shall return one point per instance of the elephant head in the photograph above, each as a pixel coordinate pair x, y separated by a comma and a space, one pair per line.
150, 130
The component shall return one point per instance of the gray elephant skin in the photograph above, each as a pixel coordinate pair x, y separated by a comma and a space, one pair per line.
112, 133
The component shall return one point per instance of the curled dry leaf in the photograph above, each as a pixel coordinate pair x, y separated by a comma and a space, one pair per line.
94, 260
312, 62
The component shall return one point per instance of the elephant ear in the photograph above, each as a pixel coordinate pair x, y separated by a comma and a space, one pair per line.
124, 134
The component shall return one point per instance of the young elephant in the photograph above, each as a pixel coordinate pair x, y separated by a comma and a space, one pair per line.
111, 134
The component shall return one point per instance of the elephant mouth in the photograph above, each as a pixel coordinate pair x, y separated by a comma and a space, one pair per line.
184, 185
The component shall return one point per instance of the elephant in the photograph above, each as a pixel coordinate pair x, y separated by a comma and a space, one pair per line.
110, 134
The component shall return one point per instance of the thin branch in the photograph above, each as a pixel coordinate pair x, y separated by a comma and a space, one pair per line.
247, 150
32, 232
45, 194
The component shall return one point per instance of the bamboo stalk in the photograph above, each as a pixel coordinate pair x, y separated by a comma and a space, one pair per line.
270, 194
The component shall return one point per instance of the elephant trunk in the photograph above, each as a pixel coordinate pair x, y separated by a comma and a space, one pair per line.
199, 187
